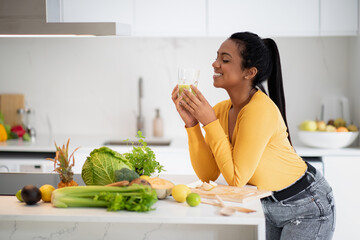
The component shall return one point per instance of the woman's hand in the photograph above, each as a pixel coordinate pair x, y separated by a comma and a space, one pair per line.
197, 106
187, 117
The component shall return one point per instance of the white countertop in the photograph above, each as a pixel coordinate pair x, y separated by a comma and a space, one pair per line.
46, 144
167, 211
322, 152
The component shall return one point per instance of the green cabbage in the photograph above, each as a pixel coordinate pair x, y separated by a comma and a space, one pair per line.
99, 168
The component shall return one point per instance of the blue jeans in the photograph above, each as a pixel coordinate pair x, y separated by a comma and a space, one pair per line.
309, 214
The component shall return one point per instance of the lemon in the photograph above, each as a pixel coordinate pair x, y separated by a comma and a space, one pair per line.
46, 191
180, 192
193, 199
145, 177
18, 196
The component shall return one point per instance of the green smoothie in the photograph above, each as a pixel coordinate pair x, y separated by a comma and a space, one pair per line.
182, 87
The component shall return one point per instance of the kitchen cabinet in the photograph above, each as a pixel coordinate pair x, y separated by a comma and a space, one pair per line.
93, 11
266, 18
169, 18
214, 18
342, 173
339, 17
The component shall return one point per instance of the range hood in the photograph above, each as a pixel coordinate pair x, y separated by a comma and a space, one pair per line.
31, 17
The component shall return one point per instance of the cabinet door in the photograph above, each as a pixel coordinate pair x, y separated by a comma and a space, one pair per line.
339, 17
266, 18
170, 18
342, 173
96, 11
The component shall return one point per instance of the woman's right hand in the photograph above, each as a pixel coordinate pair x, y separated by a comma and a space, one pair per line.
185, 115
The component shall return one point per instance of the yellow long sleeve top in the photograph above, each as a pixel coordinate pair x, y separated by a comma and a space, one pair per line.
259, 153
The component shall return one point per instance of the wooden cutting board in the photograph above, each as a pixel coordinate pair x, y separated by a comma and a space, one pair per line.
233, 194
9, 104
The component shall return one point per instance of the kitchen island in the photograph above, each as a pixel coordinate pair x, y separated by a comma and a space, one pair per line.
340, 167
169, 220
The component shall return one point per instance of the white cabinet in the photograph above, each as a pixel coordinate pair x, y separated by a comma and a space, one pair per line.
219, 18
343, 175
96, 11
266, 18
339, 17
172, 18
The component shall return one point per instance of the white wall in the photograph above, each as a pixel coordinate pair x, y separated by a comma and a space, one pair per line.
354, 86
88, 85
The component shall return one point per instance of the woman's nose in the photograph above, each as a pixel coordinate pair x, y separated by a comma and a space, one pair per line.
216, 64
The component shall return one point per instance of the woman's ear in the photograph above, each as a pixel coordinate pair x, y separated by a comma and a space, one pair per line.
251, 73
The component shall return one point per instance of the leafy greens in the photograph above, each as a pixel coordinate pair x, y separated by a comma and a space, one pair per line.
143, 158
99, 168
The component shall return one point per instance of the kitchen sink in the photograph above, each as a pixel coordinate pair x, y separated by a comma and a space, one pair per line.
135, 141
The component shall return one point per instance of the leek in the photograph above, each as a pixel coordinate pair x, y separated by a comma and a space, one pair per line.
136, 197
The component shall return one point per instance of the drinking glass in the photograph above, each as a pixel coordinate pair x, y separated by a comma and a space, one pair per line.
187, 77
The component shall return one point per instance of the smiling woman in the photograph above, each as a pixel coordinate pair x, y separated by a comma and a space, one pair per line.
247, 139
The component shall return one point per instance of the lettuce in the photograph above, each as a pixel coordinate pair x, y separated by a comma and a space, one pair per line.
99, 168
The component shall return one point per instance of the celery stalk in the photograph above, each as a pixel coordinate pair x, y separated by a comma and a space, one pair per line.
132, 198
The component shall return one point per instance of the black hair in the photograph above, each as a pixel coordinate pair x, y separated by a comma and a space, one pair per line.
263, 54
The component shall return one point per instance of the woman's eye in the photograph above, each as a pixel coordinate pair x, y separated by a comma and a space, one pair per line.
225, 61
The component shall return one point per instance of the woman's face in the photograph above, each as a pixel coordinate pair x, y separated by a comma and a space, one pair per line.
228, 72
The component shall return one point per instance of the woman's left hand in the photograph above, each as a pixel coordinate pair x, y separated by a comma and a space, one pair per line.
198, 106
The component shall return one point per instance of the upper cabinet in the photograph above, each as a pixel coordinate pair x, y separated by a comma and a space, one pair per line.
90, 11
145, 17
339, 17
266, 18
217, 18
171, 18
284, 17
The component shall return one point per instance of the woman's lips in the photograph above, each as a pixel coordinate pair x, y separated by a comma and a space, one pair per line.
217, 75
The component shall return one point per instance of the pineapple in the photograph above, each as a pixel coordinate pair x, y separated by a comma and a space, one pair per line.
63, 165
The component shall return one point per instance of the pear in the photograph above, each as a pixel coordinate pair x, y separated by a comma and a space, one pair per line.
321, 126
352, 128
339, 122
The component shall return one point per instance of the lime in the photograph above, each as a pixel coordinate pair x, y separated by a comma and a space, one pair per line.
46, 191
193, 199
18, 196
180, 192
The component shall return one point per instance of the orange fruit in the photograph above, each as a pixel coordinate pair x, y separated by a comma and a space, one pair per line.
342, 129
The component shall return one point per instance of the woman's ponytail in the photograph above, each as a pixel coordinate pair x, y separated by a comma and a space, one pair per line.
264, 55
275, 80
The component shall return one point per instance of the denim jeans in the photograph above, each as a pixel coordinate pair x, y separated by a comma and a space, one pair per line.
309, 214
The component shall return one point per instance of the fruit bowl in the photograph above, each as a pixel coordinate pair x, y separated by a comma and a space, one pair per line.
319, 139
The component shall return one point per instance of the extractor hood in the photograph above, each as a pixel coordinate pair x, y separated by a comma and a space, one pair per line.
30, 17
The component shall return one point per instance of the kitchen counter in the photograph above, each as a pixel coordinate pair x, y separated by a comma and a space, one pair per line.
170, 220
15, 154
323, 152
45, 143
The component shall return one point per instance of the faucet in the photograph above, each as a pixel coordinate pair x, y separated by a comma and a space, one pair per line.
140, 120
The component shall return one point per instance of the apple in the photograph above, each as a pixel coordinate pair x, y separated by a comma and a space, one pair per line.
308, 125
321, 125
330, 128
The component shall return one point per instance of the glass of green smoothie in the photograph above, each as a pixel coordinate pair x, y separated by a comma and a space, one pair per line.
187, 77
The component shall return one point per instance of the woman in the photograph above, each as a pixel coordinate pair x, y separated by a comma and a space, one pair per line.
248, 142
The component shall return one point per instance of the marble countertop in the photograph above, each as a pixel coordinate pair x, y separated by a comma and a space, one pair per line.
167, 211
